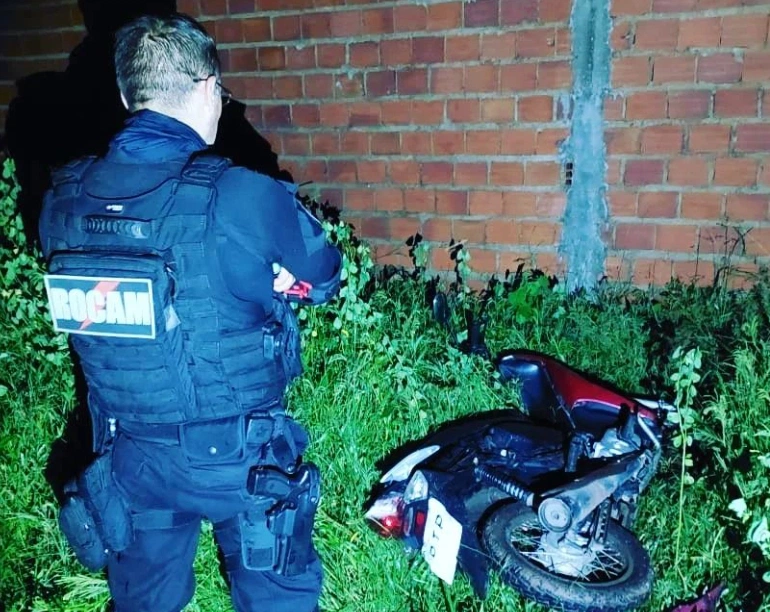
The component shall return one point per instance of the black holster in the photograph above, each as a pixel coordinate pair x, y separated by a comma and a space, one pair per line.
276, 533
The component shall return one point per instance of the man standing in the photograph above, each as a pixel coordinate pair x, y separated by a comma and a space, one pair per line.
171, 270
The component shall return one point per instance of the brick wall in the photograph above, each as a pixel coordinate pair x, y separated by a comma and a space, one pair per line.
445, 118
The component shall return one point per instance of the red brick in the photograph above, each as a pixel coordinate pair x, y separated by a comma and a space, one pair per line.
554, 10
630, 7
471, 231
651, 272
481, 13
376, 227
483, 78
420, 200
440, 259
364, 54
676, 238
646, 105
330, 56
542, 173
758, 242
622, 141
287, 87
672, 6
436, 173
518, 77
744, 30
410, 81
554, 75
657, 34
380, 83
488, 203
403, 227
384, 143
342, 171
416, 143
463, 48
295, 144
326, 144
316, 25
515, 13
242, 60
452, 202
518, 142
756, 67
535, 109
717, 239
404, 172
498, 46
447, 142
540, 42
621, 36
345, 24
689, 104
630, 71
428, 112
377, 21
428, 50
736, 103
483, 261
519, 204
410, 18
364, 113
613, 176
437, 230
286, 27
551, 205
355, 143
463, 111
446, 16
482, 142
329, 114
395, 52
349, 86
634, 236
318, 85
694, 33
662, 139
688, 171
471, 173
389, 199
700, 272
720, 68
709, 138
752, 138
300, 59
548, 141
277, 115
657, 204
643, 172
506, 173
701, 205
738, 172
764, 174
613, 108
446, 80
537, 234
622, 203
563, 42
368, 171
675, 69
747, 207
497, 111
213, 7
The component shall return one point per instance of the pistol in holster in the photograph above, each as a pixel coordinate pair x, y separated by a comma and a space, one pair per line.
276, 533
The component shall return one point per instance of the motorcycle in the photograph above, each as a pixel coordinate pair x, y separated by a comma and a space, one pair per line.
546, 497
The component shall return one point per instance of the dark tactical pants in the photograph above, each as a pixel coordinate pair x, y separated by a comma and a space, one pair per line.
155, 573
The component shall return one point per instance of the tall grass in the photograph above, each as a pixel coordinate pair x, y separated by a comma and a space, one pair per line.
379, 373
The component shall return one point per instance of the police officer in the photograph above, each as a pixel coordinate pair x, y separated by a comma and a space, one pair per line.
171, 270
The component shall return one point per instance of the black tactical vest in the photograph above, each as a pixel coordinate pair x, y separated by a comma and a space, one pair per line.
133, 277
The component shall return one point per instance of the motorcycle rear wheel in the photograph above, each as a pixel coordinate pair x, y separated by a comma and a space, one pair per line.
512, 536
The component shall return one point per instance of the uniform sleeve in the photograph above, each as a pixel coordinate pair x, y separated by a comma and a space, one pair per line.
261, 224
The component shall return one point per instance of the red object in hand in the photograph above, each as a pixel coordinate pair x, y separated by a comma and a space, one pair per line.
300, 289
707, 603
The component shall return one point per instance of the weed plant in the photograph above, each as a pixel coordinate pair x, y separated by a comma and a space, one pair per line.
380, 372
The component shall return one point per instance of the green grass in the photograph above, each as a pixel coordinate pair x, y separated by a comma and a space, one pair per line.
380, 373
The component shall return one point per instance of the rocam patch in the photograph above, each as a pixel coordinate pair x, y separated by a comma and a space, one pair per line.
101, 306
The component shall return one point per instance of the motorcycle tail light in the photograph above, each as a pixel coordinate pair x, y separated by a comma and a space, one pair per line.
385, 516
416, 489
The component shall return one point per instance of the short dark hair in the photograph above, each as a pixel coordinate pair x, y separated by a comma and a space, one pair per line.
158, 58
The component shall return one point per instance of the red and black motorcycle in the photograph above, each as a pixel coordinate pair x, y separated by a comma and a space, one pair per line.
546, 498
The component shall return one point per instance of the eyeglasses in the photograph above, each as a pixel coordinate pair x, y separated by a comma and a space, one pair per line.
225, 93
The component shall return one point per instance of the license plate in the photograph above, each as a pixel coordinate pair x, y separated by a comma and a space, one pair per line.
441, 542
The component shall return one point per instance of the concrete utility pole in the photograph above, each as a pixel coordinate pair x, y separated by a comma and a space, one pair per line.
586, 214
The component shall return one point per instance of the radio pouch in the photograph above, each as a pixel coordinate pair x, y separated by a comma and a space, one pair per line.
95, 518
